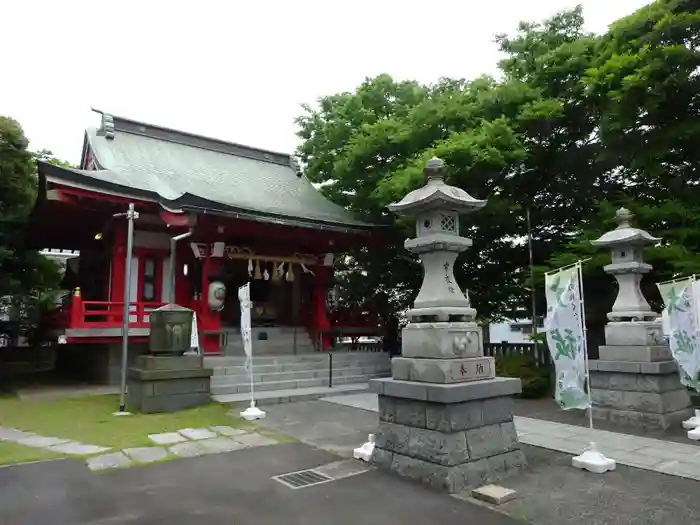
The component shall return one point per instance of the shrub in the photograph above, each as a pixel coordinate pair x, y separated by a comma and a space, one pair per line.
535, 378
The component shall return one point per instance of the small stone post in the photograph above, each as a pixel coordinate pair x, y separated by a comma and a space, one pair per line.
444, 418
635, 380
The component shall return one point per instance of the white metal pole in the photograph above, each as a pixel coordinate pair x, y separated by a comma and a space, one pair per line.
130, 216
584, 331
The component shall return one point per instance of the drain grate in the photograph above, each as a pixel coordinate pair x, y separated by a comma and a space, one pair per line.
302, 479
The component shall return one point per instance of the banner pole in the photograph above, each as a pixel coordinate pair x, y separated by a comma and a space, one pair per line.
584, 331
566, 267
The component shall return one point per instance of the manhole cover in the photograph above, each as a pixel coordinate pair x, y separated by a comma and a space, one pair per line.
302, 479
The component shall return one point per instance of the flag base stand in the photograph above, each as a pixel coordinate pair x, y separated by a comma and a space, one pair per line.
252, 412
593, 460
694, 434
121, 413
693, 422
364, 453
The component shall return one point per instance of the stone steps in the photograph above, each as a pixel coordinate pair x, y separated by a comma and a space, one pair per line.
289, 384
293, 372
273, 397
266, 377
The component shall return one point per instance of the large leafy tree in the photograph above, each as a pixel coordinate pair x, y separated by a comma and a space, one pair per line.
528, 141
645, 83
25, 275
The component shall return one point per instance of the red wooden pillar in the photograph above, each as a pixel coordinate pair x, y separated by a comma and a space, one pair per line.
210, 321
320, 319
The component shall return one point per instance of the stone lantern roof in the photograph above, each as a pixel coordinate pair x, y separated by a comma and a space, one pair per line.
625, 233
436, 194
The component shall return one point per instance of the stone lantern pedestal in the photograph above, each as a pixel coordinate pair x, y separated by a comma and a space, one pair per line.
635, 380
444, 418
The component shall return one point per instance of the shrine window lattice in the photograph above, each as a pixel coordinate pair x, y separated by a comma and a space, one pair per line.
448, 223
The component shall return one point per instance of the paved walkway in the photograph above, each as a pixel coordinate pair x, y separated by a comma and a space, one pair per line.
646, 453
54, 444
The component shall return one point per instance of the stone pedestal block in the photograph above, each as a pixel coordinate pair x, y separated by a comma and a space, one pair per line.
645, 395
634, 333
442, 340
168, 383
448, 436
443, 370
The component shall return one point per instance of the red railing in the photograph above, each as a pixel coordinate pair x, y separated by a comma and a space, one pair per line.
107, 314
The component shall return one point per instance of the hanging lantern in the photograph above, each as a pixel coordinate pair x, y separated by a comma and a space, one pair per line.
290, 273
266, 274
257, 275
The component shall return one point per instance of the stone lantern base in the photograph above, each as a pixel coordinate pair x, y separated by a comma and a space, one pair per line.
448, 436
635, 380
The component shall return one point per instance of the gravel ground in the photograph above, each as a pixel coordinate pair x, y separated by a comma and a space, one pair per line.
551, 492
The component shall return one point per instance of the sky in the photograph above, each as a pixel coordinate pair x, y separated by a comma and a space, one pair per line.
235, 70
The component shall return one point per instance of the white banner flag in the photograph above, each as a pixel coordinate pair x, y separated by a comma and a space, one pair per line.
565, 337
194, 337
246, 330
680, 301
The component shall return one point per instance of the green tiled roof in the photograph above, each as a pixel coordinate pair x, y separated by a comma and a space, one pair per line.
188, 171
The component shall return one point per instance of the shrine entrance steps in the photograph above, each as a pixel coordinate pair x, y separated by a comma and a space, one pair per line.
272, 341
280, 378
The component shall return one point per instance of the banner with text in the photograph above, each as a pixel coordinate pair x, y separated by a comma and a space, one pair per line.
680, 303
246, 330
565, 334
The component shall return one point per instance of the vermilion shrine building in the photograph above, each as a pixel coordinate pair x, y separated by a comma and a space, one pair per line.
240, 213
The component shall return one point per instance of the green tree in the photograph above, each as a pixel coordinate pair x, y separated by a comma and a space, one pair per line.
645, 85
526, 141
26, 277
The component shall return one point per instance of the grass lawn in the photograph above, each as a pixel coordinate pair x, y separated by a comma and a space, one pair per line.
13, 453
90, 420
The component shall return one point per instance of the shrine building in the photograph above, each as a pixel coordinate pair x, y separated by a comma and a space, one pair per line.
212, 215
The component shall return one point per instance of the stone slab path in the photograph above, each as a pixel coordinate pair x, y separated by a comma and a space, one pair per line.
185, 443
54, 444
656, 455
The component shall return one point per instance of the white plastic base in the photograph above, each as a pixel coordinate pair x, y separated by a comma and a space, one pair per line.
693, 422
593, 461
694, 434
118, 414
252, 412
364, 453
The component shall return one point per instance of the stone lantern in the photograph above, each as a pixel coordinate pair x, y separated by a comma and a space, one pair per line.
635, 380
444, 418
626, 246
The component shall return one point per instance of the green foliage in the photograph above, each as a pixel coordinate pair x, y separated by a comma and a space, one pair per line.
535, 379
578, 126
27, 278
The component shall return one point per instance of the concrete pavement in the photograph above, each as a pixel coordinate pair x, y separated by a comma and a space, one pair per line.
226, 488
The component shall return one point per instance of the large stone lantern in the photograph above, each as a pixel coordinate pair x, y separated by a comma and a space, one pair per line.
444, 418
635, 380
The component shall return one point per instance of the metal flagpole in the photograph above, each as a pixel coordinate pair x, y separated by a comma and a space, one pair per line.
131, 215
584, 331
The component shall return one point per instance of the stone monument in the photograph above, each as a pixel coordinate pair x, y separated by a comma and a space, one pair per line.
635, 380
444, 418
166, 380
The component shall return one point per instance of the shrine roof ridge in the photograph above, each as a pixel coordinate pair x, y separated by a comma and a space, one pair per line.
194, 140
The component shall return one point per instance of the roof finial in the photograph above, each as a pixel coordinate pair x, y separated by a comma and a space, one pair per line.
107, 126
434, 169
623, 217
